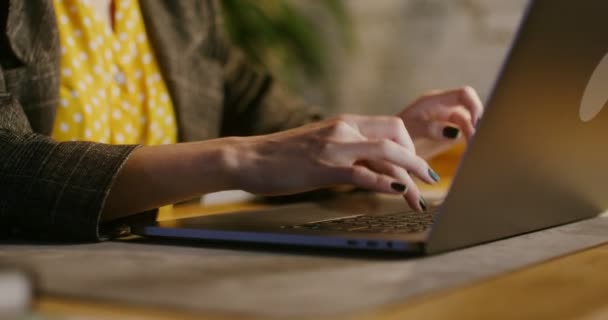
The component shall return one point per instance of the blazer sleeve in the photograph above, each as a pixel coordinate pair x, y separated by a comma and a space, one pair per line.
254, 103
51, 190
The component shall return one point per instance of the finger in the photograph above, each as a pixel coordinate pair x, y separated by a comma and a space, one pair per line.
363, 177
390, 151
445, 131
382, 127
471, 100
459, 116
412, 195
466, 97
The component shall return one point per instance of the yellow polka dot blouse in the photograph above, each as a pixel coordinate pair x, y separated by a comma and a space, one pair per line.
111, 88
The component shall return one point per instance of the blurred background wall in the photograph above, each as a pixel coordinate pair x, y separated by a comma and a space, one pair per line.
406, 47
399, 49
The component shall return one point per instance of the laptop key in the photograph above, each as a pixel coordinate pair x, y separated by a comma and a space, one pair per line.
401, 222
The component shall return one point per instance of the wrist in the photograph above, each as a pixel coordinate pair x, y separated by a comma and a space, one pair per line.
226, 158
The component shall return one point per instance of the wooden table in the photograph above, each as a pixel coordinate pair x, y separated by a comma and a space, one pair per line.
570, 287
574, 286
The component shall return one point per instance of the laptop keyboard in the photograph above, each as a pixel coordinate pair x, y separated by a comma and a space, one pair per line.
401, 222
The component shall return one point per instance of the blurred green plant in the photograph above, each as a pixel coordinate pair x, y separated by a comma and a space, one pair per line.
279, 35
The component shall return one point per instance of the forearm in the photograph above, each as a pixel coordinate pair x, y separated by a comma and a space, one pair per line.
161, 175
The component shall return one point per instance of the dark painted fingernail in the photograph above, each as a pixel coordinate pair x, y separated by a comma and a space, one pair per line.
451, 132
422, 203
398, 187
434, 175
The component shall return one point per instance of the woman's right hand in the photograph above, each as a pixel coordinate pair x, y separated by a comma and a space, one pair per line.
372, 152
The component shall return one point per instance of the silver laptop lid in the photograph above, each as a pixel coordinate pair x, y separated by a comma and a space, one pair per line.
540, 156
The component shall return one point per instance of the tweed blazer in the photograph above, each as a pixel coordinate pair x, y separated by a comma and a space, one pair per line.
56, 190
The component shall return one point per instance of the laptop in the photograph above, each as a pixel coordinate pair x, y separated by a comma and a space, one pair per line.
538, 159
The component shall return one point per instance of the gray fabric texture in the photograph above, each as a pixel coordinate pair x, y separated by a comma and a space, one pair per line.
56, 190
277, 284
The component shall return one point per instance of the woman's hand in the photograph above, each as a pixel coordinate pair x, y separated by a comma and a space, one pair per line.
375, 153
437, 120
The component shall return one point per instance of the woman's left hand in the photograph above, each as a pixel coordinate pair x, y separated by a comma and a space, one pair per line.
438, 119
